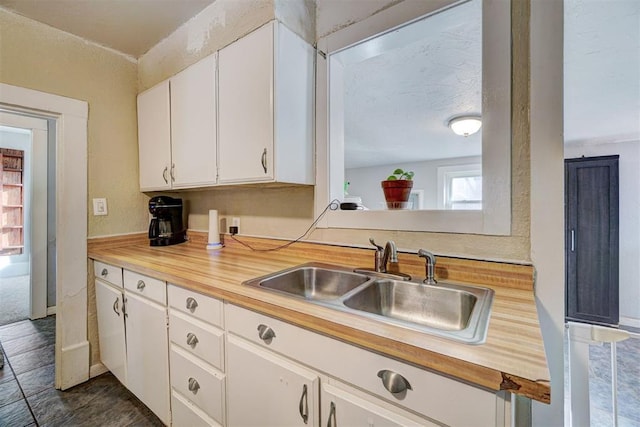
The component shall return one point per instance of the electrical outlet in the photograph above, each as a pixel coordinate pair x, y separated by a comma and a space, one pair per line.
100, 207
235, 221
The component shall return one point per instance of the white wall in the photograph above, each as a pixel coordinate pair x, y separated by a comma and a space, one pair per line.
629, 170
365, 182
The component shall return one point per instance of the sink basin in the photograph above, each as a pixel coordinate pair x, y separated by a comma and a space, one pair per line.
433, 306
312, 282
451, 310
457, 312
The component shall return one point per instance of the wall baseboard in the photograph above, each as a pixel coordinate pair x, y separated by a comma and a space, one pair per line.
51, 310
97, 369
630, 321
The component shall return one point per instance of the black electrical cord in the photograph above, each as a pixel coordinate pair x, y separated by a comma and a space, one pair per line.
333, 205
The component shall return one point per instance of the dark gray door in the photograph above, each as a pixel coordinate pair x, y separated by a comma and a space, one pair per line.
591, 213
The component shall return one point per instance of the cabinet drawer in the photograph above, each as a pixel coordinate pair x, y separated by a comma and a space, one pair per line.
108, 273
200, 306
197, 338
430, 394
154, 289
198, 382
185, 413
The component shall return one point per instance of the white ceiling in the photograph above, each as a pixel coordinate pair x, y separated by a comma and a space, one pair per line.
128, 26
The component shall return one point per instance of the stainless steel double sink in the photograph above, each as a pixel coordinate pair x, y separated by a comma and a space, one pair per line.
453, 311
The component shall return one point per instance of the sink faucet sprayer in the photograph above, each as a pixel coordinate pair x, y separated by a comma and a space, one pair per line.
430, 266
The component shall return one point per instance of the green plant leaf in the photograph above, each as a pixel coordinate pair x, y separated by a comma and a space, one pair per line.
398, 172
392, 178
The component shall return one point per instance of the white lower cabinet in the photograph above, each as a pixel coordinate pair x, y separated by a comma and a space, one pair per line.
147, 358
265, 389
198, 379
132, 331
113, 353
260, 347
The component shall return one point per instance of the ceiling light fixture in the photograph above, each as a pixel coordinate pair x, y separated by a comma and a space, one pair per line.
465, 125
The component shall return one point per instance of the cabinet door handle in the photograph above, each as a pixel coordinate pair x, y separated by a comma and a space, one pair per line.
104, 272
141, 285
192, 304
173, 178
164, 174
303, 406
124, 307
193, 385
264, 160
192, 340
393, 381
115, 306
332, 416
265, 333
573, 240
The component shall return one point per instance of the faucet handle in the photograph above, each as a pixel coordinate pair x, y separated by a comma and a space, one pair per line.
378, 247
429, 267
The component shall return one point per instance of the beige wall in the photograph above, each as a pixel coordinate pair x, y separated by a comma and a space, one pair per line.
36, 56
288, 213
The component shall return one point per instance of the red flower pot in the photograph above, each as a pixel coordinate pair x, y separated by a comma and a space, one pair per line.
397, 192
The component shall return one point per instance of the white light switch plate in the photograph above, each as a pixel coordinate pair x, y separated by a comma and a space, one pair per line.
99, 206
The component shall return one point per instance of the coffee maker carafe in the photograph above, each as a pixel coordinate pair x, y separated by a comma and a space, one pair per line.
166, 227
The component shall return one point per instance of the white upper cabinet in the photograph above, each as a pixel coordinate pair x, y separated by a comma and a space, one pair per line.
177, 130
193, 125
154, 138
266, 108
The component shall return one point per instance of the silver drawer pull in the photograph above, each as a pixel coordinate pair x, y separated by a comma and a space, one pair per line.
192, 304
192, 340
265, 333
303, 406
141, 285
104, 272
332, 416
394, 382
193, 385
115, 306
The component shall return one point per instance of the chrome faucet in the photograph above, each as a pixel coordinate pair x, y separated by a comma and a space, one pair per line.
430, 266
384, 255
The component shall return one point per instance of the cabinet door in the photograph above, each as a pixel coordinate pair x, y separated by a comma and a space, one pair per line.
154, 138
264, 389
148, 354
193, 125
246, 108
342, 408
111, 330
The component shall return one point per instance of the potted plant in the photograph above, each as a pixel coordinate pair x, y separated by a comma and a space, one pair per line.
397, 188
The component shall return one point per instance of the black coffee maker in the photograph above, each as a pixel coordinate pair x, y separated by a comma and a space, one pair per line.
166, 227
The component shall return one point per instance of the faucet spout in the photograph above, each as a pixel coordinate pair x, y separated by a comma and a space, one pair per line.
390, 254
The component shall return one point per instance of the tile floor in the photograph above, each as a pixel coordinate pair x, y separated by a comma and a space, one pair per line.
28, 397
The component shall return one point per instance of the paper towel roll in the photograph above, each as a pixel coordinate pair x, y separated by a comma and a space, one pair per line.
214, 233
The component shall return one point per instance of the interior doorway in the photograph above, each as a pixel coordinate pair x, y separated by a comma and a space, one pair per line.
23, 216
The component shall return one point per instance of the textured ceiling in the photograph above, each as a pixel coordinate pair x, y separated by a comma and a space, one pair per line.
401, 90
128, 26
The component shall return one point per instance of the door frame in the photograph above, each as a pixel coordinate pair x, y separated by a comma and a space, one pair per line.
70, 116
34, 220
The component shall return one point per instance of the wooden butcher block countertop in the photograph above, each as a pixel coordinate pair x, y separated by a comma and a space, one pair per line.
512, 358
